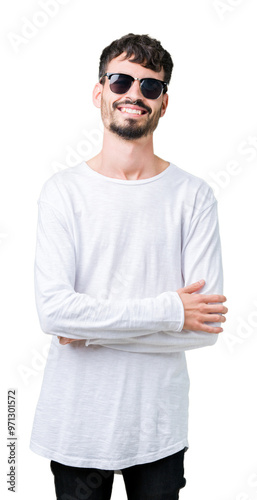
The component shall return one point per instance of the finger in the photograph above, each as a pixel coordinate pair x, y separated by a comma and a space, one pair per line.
193, 287
214, 318
213, 298
212, 329
62, 340
215, 308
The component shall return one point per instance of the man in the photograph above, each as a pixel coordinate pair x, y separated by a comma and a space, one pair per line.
123, 243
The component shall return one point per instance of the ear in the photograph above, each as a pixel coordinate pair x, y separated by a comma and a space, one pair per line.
165, 101
97, 94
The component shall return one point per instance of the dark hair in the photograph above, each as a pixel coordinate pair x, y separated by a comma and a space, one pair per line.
146, 51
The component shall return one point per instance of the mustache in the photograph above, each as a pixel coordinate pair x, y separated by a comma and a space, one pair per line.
138, 102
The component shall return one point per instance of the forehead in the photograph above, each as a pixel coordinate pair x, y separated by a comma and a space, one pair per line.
121, 65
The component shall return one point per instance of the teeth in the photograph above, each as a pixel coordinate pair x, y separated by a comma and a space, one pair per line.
131, 111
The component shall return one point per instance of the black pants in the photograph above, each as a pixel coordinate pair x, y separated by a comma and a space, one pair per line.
159, 480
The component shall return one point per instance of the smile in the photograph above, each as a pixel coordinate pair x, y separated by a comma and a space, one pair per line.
132, 111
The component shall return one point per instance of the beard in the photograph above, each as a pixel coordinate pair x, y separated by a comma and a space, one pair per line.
131, 130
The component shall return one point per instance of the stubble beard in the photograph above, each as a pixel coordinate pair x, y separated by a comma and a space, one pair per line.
131, 130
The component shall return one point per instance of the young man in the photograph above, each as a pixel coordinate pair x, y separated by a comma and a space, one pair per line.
123, 242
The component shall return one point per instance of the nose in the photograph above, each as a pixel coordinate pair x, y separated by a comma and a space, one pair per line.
134, 91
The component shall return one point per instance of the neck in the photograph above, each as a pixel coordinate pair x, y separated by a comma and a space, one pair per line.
129, 160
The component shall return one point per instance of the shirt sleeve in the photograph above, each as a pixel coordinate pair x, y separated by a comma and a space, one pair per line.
201, 259
64, 312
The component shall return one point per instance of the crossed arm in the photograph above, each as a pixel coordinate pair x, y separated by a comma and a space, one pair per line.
171, 322
199, 310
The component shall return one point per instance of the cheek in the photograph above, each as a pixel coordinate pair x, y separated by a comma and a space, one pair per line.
155, 115
108, 114
107, 102
105, 106
159, 112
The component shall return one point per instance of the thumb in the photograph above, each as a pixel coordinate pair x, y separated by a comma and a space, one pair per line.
63, 340
192, 288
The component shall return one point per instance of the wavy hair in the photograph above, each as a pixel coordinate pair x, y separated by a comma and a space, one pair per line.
145, 50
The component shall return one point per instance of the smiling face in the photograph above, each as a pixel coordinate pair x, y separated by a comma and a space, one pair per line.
129, 115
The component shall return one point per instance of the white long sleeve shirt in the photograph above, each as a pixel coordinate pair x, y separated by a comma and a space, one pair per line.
110, 255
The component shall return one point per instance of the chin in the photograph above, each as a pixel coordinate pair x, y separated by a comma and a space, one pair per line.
128, 133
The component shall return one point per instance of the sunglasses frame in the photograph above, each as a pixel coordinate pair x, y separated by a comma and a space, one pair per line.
164, 84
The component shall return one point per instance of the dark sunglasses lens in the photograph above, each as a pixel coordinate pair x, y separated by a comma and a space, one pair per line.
119, 84
151, 88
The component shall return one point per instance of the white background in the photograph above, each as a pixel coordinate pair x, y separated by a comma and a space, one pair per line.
49, 122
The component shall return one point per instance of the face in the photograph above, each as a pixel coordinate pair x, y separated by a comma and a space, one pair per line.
129, 115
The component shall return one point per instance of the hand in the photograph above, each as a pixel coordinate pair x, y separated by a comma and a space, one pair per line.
200, 308
64, 341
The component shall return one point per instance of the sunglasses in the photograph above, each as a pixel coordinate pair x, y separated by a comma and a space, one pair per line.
150, 87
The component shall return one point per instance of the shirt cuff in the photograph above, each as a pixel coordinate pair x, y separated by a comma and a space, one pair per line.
181, 312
